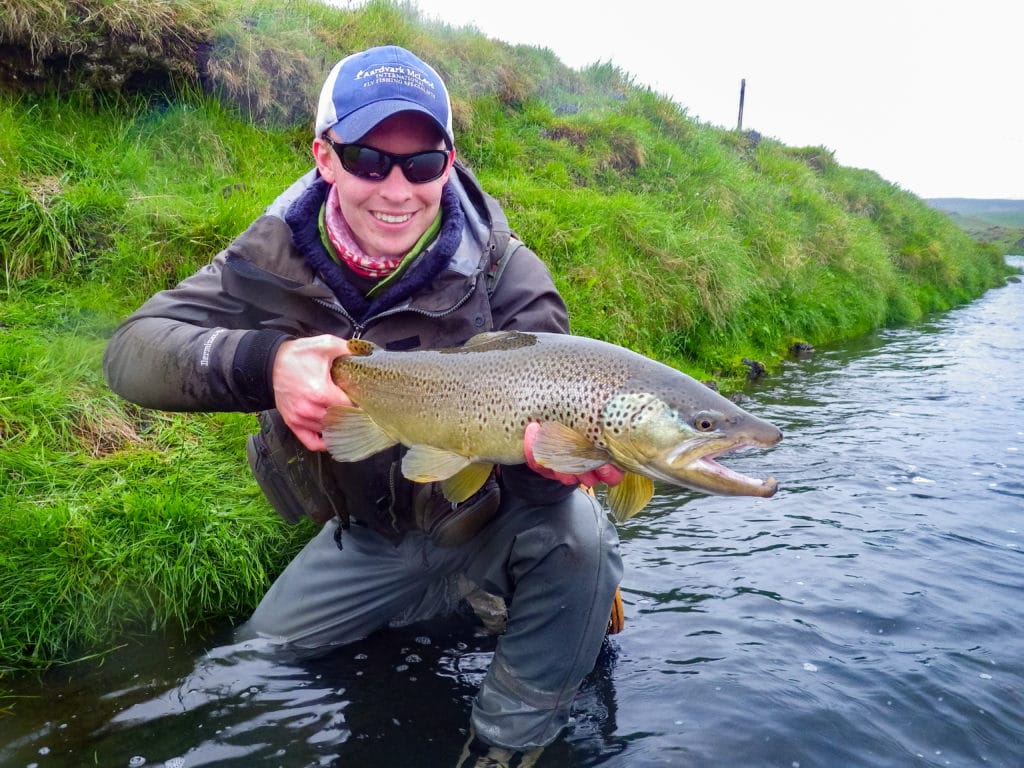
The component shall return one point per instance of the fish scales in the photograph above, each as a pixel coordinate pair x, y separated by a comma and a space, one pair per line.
461, 410
482, 396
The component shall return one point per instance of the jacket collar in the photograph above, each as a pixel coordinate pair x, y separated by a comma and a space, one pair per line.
446, 251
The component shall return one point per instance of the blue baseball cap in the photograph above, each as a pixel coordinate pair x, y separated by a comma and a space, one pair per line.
367, 87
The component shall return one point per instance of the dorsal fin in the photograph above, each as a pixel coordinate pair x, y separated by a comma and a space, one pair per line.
485, 339
501, 340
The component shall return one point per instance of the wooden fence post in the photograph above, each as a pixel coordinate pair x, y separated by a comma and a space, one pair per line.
743, 88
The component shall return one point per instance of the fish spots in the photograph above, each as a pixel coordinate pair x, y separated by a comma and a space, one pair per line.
620, 410
476, 401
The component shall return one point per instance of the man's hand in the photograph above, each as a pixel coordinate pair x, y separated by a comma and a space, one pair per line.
303, 389
606, 473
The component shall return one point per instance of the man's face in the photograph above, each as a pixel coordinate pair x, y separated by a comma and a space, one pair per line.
387, 217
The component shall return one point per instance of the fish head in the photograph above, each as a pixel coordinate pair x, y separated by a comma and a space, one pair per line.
679, 442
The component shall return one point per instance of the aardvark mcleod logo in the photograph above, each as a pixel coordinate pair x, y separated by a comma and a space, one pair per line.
390, 74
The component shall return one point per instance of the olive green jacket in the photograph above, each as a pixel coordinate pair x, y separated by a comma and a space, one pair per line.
209, 343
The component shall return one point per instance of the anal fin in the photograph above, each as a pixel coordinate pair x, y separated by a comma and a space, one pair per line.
351, 435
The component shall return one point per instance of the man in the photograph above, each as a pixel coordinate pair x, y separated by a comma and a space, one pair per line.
390, 240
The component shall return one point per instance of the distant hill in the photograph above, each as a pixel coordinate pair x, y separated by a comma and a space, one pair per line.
988, 220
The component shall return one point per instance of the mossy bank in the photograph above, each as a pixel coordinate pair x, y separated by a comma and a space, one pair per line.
128, 161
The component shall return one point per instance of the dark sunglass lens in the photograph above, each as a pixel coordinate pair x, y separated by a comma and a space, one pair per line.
425, 166
365, 162
374, 165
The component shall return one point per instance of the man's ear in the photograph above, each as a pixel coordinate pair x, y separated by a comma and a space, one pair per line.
451, 164
324, 156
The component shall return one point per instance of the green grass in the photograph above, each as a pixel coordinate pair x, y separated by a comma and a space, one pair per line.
692, 245
113, 518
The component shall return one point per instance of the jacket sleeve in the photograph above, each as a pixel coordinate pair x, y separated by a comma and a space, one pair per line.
194, 348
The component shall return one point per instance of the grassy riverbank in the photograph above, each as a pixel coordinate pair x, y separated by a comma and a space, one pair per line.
125, 168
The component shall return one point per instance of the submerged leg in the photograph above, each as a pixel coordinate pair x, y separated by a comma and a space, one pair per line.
558, 567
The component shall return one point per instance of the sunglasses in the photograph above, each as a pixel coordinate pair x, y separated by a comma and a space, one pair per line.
375, 165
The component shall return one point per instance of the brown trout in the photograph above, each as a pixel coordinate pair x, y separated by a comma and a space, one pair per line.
462, 410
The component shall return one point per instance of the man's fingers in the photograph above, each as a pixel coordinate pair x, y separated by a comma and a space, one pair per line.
606, 473
529, 435
609, 474
314, 441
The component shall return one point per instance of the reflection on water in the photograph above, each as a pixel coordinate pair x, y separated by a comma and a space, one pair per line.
867, 615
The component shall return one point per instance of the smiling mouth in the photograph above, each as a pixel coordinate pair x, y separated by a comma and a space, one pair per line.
389, 218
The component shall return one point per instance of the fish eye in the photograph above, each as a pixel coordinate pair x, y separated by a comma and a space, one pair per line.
704, 422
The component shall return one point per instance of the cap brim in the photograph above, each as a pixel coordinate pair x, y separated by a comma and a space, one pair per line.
355, 126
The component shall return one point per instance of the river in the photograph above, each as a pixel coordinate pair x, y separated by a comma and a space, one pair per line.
870, 614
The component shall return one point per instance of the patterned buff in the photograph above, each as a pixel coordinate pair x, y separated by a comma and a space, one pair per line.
348, 251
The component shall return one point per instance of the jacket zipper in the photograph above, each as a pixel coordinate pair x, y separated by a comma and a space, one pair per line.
359, 328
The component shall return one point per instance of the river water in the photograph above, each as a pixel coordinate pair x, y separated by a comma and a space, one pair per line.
870, 614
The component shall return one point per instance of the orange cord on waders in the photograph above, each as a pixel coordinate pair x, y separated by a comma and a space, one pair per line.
617, 621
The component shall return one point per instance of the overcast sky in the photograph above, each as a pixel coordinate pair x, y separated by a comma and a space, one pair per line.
928, 93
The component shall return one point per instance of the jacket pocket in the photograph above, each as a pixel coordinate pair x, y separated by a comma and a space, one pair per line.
450, 524
290, 475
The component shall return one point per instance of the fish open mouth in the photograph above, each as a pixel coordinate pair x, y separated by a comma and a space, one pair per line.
729, 481
699, 469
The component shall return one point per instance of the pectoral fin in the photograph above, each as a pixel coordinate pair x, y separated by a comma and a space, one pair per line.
630, 496
351, 435
563, 449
